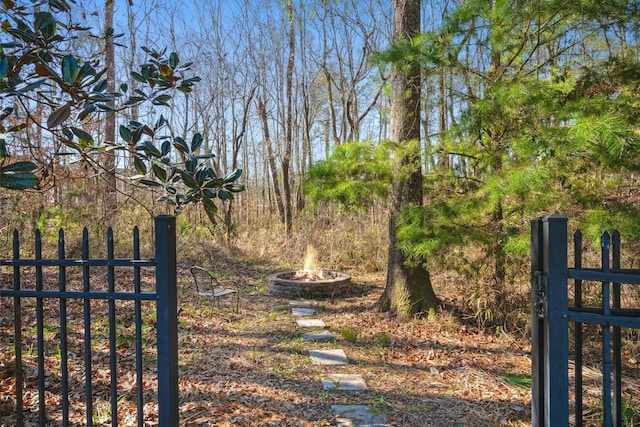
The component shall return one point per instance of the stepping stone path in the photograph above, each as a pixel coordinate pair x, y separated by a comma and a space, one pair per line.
346, 415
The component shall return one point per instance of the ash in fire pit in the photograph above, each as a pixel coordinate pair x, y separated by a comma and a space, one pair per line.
310, 282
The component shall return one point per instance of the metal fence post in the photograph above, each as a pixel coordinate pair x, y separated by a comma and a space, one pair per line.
167, 320
556, 313
537, 335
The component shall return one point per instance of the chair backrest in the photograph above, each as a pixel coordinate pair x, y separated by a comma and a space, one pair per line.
201, 278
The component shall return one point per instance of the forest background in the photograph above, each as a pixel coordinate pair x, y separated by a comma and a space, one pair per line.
527, 108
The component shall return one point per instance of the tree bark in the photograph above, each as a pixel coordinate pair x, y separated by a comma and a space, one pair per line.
111, 203
286, 158
408, 290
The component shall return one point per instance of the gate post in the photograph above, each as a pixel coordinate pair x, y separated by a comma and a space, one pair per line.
537, 324
556, 323
167, 320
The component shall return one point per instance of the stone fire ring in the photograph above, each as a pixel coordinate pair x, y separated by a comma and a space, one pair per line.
282, 284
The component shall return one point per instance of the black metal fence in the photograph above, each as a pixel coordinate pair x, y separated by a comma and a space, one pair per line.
551, 313
84, 297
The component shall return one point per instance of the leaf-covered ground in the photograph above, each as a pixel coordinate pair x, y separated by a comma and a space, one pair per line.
253, 369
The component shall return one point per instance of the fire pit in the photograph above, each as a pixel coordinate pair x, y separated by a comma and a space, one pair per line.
286, 285
310, 282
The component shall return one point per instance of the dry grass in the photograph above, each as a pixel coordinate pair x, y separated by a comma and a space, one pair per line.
253, 369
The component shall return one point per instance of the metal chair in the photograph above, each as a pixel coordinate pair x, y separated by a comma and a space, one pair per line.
210, 287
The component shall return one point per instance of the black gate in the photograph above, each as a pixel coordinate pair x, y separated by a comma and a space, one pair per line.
82, 296
551, 314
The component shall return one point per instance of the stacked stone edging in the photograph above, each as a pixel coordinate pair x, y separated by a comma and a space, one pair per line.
288, 288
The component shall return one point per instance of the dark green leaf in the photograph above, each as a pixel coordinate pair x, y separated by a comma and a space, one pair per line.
150, 183
88, 109
18, 181
20, 167
151, 149
188, 180
233, 176
100, 87
223, 195
159, 123
173, 60
125, 133
3, 149
140, 166
5, 112
161, 100
138, 77
4, 66
24, 35
69, 68
159, 172
210, 193
46, 24
31, 86
59, 5
196, 142
209, 206
84, 137
166, 146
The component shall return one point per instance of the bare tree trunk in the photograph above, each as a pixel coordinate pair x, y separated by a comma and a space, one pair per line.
262, 112
408, 290
286, 158
110, 121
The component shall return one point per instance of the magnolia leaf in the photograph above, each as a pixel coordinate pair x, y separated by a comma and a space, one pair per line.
19, 167
84, 137
18, 180
173, 60
159, 172
140, 166
150, 183
196, 142
69, 68
59, 116
125, 133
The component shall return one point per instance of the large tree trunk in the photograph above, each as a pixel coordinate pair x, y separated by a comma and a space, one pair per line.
408, 290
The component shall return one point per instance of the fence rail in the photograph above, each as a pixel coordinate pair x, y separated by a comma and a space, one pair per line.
551, 312
164, 297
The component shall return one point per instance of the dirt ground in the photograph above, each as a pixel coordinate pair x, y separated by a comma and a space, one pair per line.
253, 369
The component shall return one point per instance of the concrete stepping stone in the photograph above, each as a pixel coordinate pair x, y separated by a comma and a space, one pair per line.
318, 336
349, 382
358, 415
299, 304
298, 311
328, 357
311, 323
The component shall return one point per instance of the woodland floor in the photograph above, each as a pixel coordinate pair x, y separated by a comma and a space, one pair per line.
253, 369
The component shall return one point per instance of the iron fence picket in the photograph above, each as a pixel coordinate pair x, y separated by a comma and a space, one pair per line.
164, 299
577, 302
605, 243
64, 358
610, 316
137, 289
86, 287
17, 314
617, 334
